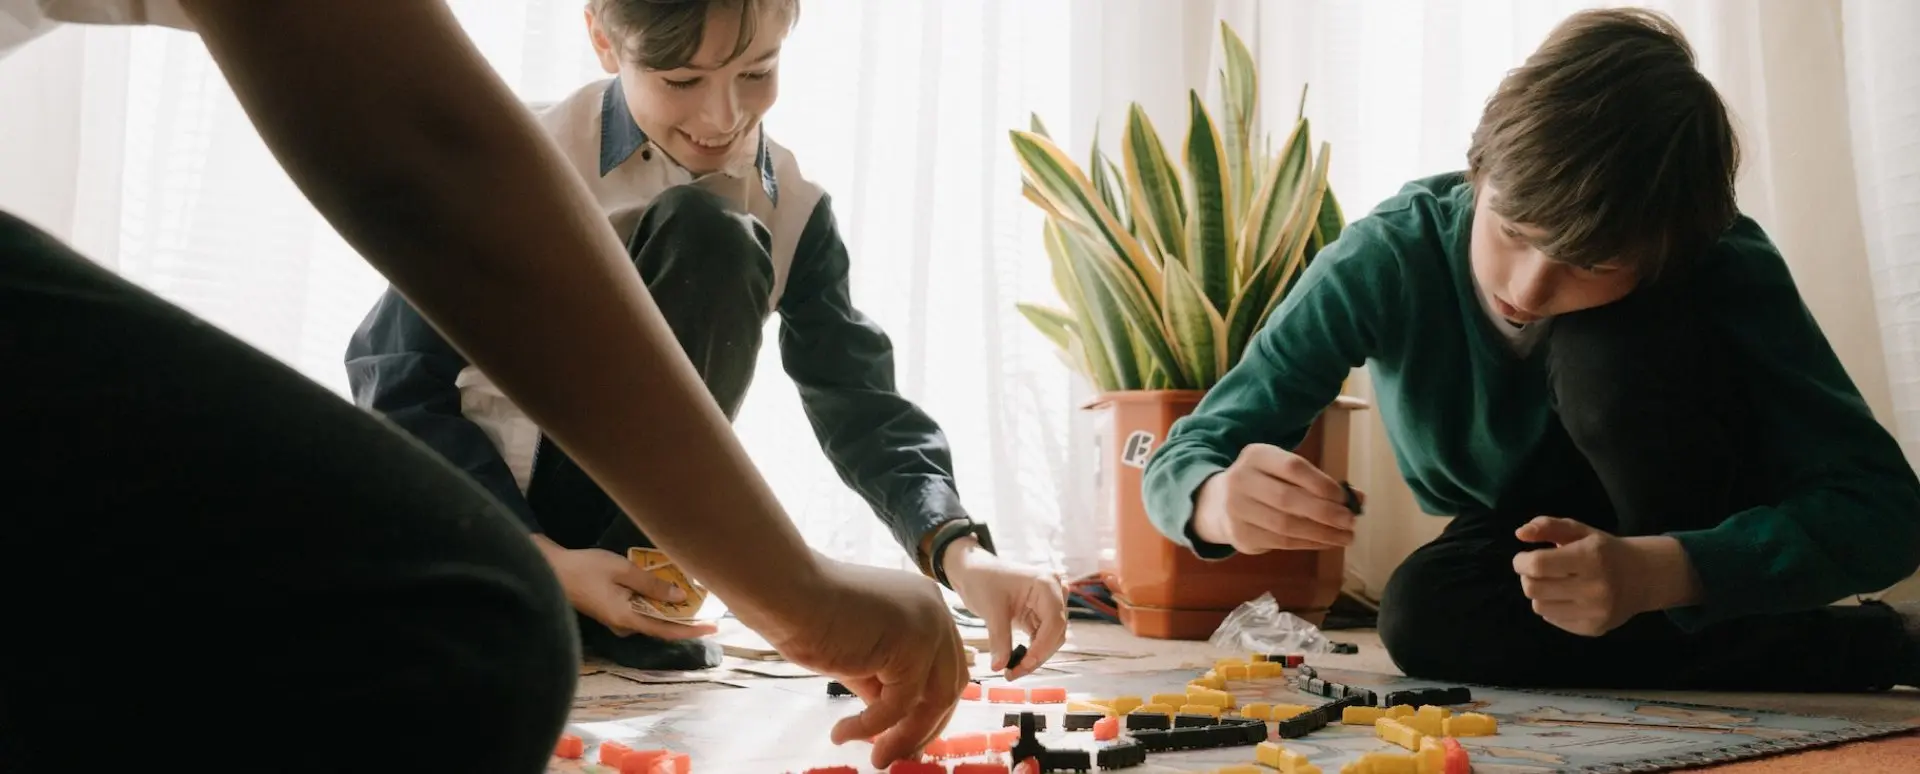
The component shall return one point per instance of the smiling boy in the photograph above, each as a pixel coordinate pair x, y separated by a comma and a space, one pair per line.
725, 231
1660, 474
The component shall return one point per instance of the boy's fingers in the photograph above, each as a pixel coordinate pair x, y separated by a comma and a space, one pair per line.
1548, 563
649, 585
1301, 473
1304, 504
667, 630
1550, 589
1000, 640
1047, 637
1301, 529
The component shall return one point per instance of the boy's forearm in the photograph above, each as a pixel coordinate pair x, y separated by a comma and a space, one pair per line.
425, 162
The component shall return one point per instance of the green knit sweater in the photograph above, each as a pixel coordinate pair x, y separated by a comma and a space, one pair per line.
1465, 412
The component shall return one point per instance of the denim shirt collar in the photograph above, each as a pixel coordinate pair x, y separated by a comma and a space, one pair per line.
620, 138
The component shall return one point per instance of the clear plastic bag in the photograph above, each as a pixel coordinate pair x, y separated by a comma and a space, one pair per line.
1260, 626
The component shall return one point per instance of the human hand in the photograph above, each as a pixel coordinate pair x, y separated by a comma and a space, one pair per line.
1004, 593
1591, 581
889, 637
1272, 499
601, 584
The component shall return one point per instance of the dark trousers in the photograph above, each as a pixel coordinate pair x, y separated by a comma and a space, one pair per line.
1651, 416
203, 552
711, 273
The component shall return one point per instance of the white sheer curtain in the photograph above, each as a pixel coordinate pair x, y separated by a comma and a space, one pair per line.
127, 143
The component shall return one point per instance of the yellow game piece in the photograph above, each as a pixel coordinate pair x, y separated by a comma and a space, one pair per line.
1382, 763
1169, 699
1471, 724
1125, 704
1272, 755
1227, 662
1265, 670
1234, 672
1283, 711
1361, 716
1429, 709
1400, 711
1268, 754
1200, 709
1090, 706
1255, 711
1210, 680
1397, 732
1210, 697
1257, 658
1425, 723
1241, 769
1153, 709
1432, 757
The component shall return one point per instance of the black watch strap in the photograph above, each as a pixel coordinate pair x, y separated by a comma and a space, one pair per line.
949, 532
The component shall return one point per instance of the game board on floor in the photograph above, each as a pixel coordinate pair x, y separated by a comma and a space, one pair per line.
784, 728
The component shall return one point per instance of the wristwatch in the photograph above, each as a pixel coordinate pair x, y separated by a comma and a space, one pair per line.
944, 535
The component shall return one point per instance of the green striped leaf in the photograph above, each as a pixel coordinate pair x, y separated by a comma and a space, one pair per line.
1037, 127
1197, 329
1104, 184
1240, 97
1129, 300
1153, 185
1060, 183
1209, 219
1260, 236
1052, 323
1108, 345
1302, 224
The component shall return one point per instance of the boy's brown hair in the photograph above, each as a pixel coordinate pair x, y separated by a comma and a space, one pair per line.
666, 34
1610, 141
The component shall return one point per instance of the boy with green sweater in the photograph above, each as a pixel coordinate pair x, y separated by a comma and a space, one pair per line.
1661, 476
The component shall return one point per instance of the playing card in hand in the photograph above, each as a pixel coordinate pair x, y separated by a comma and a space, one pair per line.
654, 561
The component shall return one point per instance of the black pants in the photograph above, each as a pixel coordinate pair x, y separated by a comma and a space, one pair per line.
711, 272
1650, 414
204, 553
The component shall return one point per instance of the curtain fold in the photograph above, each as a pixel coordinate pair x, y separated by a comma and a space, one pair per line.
127, 143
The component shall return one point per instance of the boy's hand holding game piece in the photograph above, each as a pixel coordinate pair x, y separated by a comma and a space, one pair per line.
1591, 582
1004, 593
1272, 499
602, 584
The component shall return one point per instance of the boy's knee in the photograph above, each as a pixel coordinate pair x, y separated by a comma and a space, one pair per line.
1613, 359
687, 214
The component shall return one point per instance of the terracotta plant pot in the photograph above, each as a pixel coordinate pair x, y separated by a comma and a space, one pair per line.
1164, 591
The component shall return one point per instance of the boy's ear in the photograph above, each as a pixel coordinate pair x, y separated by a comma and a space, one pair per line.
603, 47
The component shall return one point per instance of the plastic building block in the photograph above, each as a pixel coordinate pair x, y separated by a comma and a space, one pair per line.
612, 752
673, 763
1400, 711
1425, 723
1285, 711
967, 745
1169, 699
1252, 731
1065, 760
1028, 766
1081, 721
1153, 739
1227, 662
836, 688
570, 747
1256, 711
916, 767
1155, 709
1123, 755
1471, 724
1125, 704
1431, 758
1210, 697
1264, 670
1211, 680
1013, 720
1455, 695
1234, 672
640, 761
1003, 739
1153, 720
1191, 738
938, 748
833, 770
980, 768
1361, 716
1184, 720
1102, 708
1028, 746
1001, 694
1345, 648
1106, 728
1286, 761
1047, 695
1456, 761
1382, 763
1200, 709
971, 692
1013, 659
1241, 769
1396, 732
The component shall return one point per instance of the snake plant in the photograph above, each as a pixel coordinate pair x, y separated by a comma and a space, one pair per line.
1167, 270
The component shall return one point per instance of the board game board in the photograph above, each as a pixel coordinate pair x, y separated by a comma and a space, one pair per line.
782, 726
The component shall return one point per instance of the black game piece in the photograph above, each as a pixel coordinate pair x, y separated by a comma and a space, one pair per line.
1252, 730
1305, 671
1455, 695
1297, 726
1080, 721
1316, 686
1224, 736
1065, 760
835, 688
1188, 738
1039, 721
1124, 754
1029, 745
1367, 698
1194, 721
1148, 720
1353, 500
1396, 698
1152, 739
1345, 648
1013, 659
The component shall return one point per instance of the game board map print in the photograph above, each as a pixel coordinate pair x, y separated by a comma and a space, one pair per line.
782, 726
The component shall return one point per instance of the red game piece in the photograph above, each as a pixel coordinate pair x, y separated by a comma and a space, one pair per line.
833, 770
1456, 758
980, 768
966, 745
1028, 766
1003, 739
612, 752
1005, 695
640, 761
1047, 695
673, 763
570, 747
971, 692
938, 748
916, 767
1106, 728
